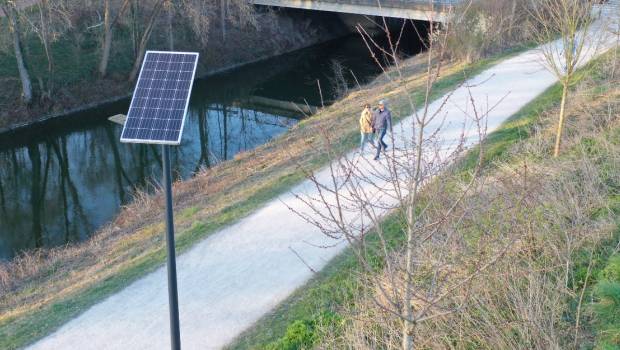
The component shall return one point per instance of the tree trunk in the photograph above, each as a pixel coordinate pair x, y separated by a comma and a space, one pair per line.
223, 18
108, 27
144, 41
407, 335
407, 331
134, 27
513, 12
44, 12
107, 40
169, 18
11, 14
558, 136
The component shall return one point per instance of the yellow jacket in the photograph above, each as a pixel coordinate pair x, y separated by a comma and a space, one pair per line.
366, 121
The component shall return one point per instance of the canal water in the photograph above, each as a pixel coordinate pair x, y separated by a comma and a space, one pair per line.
62, 180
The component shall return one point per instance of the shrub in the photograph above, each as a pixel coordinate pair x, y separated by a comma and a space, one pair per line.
607, 308
483, 27
299, 335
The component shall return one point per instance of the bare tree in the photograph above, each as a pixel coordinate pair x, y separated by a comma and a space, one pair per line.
10, 10
199, 15
108, 27
50, 21
338, 81
569, 20
144, 40
351, 199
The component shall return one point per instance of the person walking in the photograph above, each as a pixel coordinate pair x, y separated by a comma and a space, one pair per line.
381, 121
366, 127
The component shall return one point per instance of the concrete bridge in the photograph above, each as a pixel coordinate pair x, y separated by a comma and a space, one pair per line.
423, 10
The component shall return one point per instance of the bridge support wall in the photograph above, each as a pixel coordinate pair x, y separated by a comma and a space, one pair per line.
420, 14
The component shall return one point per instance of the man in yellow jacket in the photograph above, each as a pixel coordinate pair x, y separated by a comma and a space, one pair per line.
366, 127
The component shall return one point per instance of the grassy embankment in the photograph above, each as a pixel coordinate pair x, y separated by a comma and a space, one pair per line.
324, 306
40, 291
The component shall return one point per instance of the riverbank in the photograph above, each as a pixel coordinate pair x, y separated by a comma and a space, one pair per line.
44, 289
74, 86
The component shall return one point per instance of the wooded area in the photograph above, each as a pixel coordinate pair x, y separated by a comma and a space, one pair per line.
49, 21
58, 55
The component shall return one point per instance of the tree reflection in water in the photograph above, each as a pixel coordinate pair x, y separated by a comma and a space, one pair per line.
63, 185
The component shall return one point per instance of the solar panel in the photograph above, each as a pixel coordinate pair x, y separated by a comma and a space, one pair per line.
160, 99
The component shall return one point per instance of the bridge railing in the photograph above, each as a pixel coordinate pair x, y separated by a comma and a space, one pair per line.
440, 5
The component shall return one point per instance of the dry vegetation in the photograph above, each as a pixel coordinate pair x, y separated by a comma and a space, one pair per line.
132, 244
557, 213
484, 27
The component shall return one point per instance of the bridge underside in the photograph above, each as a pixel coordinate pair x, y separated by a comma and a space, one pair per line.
421, 13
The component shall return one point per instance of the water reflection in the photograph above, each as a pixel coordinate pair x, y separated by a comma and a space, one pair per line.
61, 188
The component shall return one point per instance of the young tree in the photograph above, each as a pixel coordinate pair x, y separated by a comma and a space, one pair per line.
570, 20
10, 10
352, 199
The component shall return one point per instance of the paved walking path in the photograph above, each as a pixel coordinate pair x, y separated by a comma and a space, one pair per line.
232, 278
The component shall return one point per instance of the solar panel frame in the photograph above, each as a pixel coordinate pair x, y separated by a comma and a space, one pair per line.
133, 99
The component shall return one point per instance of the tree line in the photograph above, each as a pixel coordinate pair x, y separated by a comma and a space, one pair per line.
51, 20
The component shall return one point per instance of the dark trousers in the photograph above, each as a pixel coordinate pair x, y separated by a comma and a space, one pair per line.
380, 143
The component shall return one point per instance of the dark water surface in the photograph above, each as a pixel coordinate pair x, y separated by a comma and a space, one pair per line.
61, 181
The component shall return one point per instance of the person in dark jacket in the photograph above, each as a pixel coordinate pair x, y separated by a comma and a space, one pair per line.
381, 122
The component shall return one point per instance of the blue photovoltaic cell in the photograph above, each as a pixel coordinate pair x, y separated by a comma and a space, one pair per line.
159, 103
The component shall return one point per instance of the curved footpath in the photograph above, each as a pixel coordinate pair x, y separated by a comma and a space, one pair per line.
232, 278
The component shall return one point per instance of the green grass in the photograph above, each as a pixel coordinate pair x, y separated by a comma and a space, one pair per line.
18, 332
334, 287
602, 294
600, 268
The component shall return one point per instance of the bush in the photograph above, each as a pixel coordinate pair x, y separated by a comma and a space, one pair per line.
483, 27
299, 335
612, 271
607, 308
304, 334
